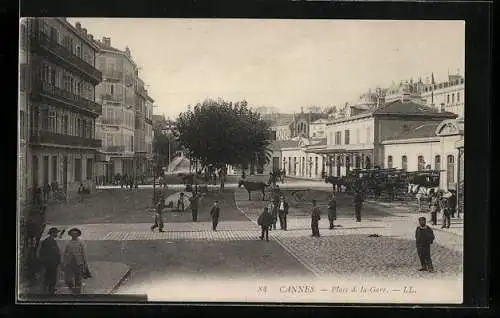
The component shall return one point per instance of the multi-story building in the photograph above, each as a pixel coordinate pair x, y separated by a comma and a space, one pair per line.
300, 126
448, 95
126, 115
57, 106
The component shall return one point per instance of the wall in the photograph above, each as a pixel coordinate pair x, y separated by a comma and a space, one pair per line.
317, 130
445, 95
298, 153
448, 144
412, 150
361, 132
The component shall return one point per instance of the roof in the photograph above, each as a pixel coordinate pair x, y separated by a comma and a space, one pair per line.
410, 108
321, 121
279, 144
426, 130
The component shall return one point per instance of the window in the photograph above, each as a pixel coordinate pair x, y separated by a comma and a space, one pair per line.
90, 167
24, 79
450, 170
54, 169
52, 121
448, 99
131, 143
22, 125
421, 163
109, 140
316, 165
452, 98
437, 162
389, 162
458, 97
78, 169
44, 114
338, 137
78, 127
65, 125
404, 163
45, 170
346, 137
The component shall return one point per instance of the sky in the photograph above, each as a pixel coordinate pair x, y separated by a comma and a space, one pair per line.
286, 64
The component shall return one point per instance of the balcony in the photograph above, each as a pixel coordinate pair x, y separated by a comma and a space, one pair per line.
110, 121
114, 149
68, 98
115, 75
111, 98
47, 137
43, 41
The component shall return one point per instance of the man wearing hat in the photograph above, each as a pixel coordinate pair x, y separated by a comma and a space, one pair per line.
424, 237
50, 258
75, 263
215, 213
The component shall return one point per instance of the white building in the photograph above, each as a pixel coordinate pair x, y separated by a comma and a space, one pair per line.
317, 129
450, 95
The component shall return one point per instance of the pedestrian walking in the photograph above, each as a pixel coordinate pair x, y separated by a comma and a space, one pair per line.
160, 205
264, 221
75, 265
283, 212
50, 258
445, 213
424, 237
315, 217
180, 202
332, 211
358, 204
274, 213
434, 207
452, 203
215, 214
194, 206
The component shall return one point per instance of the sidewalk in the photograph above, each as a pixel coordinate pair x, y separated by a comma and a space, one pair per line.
106, 278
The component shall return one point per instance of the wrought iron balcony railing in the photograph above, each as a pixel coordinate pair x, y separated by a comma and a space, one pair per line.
48, 137
67, 97
114, 149
43, 41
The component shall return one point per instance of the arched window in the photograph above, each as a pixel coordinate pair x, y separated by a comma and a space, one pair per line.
389, 162
404, 163
437, 162
421, 163
450, 170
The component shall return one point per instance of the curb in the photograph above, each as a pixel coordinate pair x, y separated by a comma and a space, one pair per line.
121, 281
278, 240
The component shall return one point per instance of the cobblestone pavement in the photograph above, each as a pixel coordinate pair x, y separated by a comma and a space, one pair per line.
348, 249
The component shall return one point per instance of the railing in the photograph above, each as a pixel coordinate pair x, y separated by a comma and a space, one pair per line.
113, 74
111, 97
47, 137
68, 97
114, 149
52, 46
108, 121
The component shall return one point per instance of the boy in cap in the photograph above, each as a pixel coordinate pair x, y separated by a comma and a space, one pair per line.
50, 258
215, 213
265, 220
424, 237
75, 263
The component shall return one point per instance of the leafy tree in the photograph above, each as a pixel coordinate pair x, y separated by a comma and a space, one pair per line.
162, 145
219, 132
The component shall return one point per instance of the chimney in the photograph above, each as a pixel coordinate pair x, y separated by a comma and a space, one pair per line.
106, 41
78, 26
127, 51
84, 31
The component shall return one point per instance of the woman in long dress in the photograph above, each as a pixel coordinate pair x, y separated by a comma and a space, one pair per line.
75, 265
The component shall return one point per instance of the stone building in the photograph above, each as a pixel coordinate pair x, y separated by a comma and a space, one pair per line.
58, 109
127, 114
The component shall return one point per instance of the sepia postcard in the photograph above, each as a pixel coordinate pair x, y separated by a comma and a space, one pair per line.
241, 160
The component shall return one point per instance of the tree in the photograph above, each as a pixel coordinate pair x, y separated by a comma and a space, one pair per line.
164, 145
218, 132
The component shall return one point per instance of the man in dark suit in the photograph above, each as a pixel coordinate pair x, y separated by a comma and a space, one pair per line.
194, 206
332, 211
424, 237
215, 213
358, 204
315, 217
282, 212
50, 258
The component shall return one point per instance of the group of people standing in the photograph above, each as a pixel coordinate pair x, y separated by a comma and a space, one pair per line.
445, 205
73, 261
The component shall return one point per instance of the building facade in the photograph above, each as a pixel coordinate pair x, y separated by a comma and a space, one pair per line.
448, 95
127, 115
58, 109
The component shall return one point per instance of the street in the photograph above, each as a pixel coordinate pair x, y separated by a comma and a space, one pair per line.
119, 232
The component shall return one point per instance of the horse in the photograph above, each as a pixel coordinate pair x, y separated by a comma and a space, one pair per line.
253, 186
422, 193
